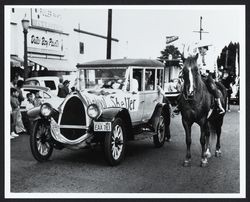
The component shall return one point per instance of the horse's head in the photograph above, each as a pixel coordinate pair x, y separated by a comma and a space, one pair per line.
190, 75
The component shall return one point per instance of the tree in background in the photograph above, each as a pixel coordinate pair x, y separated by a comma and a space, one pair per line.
170, 50
227, 58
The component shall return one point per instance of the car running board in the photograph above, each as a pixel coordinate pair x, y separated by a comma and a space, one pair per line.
144, 135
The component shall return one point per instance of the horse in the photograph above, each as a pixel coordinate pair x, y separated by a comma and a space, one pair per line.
195, 104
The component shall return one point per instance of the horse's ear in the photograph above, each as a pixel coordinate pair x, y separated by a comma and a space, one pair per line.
196, 56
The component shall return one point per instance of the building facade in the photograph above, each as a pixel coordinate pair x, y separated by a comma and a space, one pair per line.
55, 44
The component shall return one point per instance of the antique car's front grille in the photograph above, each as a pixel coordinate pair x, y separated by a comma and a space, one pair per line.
73, 121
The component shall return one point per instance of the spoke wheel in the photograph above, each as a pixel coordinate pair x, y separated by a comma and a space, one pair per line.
159, 138
115, 143
39, 141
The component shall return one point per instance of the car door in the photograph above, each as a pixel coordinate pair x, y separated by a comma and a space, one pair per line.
136, 81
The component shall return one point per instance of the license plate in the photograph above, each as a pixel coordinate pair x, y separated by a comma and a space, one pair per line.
102, 126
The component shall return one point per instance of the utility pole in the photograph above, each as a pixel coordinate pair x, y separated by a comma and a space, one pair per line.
201, 29
109, 34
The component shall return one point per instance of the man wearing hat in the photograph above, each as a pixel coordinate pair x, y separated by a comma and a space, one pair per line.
64, 90
206, 65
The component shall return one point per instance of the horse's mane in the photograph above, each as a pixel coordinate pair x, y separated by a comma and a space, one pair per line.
190, 61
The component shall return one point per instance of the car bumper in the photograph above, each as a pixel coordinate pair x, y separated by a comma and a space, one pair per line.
77, 143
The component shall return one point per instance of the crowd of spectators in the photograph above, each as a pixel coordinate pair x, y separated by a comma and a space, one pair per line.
16, 99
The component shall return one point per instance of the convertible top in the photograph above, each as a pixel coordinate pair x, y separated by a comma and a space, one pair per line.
122, 63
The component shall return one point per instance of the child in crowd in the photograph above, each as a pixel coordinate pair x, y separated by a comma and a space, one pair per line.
37, 100
29, 102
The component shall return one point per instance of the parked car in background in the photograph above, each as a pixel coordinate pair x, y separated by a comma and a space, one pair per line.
50, 81
118, 100
46, 96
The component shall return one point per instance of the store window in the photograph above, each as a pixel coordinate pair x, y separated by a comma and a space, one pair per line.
81, 45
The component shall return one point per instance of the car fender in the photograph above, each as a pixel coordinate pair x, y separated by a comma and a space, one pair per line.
34, 113
109, 115
161, 108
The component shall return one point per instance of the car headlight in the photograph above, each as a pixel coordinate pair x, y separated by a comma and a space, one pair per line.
93, 111
46, 110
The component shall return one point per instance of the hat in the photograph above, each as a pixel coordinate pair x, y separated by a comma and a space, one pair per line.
66, 82
201, 44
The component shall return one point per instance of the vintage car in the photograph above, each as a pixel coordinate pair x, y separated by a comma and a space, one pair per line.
117, 100
50, 81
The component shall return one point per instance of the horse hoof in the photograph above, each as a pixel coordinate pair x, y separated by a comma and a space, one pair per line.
208, 154
218, 153
168, 140
204, 163
187, 163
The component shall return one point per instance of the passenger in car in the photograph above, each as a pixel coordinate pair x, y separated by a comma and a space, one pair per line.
134, 86
149, 81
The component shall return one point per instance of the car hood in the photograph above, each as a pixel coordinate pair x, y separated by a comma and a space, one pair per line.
55, 102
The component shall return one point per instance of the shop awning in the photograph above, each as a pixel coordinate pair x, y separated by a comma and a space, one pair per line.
16, 61
53, 64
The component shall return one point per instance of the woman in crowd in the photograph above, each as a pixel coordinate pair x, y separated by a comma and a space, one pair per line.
17, 126
19, 87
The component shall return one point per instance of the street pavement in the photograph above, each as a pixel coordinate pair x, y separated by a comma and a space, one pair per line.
144, 170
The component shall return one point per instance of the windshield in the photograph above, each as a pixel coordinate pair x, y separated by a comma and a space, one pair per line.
112, 78
32, 82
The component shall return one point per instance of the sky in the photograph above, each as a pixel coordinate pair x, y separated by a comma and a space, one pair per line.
142, 30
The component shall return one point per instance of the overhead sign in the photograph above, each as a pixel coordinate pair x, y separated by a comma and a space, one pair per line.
46, 18
171, 39
45, 42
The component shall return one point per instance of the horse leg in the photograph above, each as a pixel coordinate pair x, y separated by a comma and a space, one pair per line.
187, 127
218, 151
207, 136
204, 161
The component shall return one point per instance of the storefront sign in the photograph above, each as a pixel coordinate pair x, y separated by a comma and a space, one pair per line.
46, 18
45, 42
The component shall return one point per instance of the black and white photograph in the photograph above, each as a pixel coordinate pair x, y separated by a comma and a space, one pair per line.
125, 101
